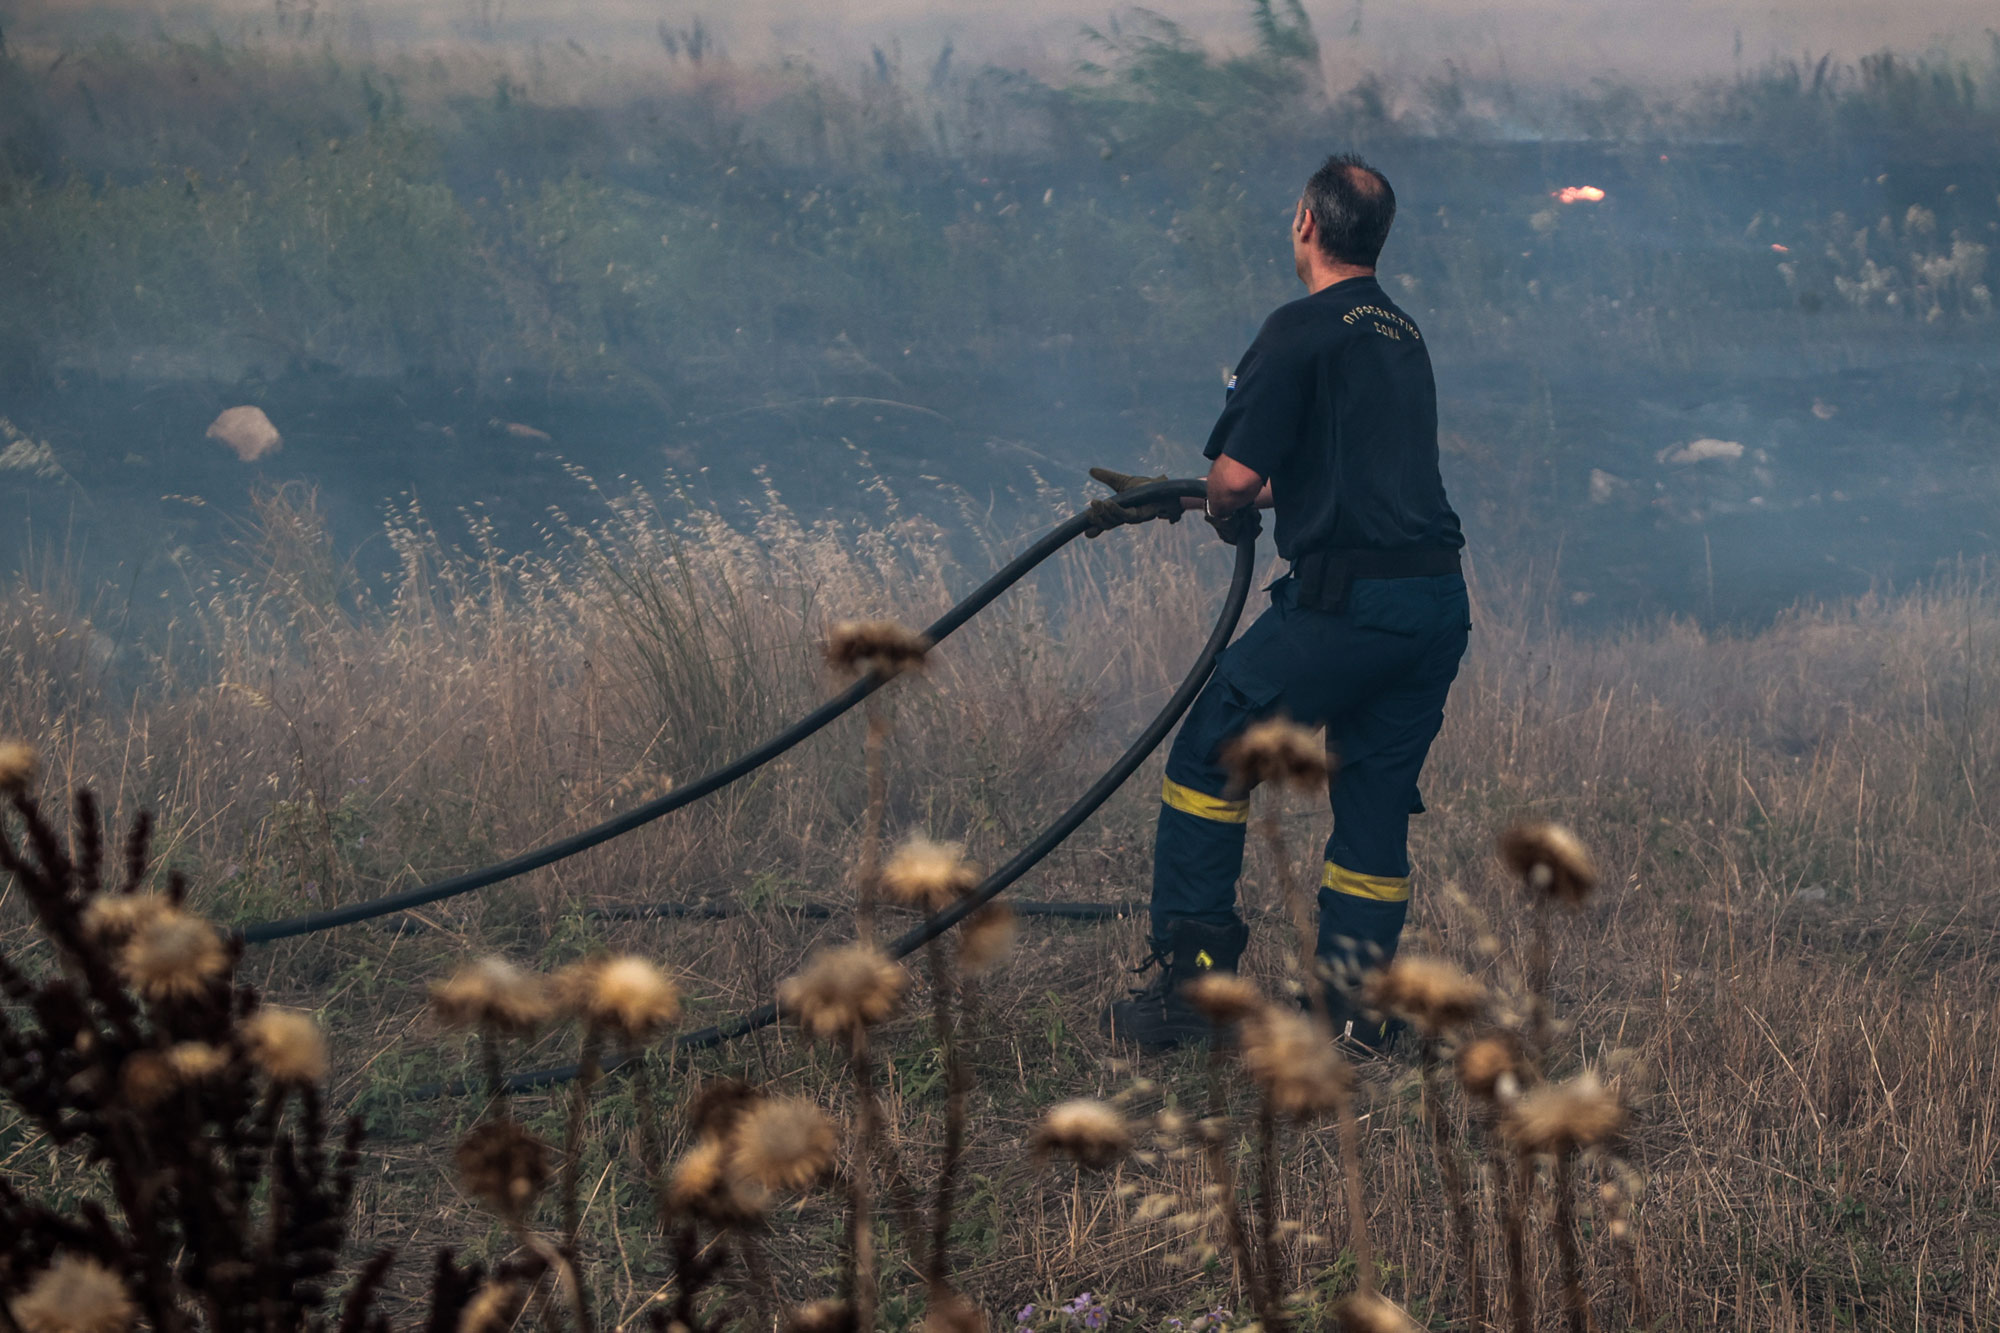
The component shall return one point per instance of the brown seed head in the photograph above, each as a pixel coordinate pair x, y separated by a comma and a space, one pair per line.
494, 996
1372, 1312
74, 1294
193, 1061
1550, 861
949, 1312
173, 955
927, 875
287, 1045
704, 1184
624, 994
112, 918
1434, 995
504, 1166
1563, 1117
492, 1309
1277, 751
1224, 997
1294, 1064
843, 989
820, 1317
719, 1105
783, 1144
1090, 1132
1485, 1063
18, 762
147, 1079
881, 646
987, 937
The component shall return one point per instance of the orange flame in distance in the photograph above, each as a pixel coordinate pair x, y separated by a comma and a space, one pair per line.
1579, 194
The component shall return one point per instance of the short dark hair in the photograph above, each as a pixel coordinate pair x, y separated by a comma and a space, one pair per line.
1352, 206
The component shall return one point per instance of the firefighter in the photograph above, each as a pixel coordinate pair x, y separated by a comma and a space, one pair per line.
1330, 421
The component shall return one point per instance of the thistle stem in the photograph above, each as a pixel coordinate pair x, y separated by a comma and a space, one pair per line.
1296, 907
957, 1084
587, 1070
869, 872
1357, 1211
1576, 1305
1513, 1210
860, 1277
1452, 1172
489, 1066
1267, 1194
1539, 1025
1215, 1148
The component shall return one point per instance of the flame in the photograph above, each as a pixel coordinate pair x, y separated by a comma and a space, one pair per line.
1781, 249
1579, 194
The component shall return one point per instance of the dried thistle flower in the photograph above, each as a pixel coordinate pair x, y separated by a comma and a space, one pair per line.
147, 1078
493, 995
1294, 1064
949, 1312
820, 1317
719, 1105
174, 955
193, 1061
843, 989
492, 1309
1277, 751
1092, 1133
74, 1294
1550, 860
625, 994
1563, 1117
987, 937
504, 1166
287, 1045
112, 918
18, 762
783, 1143
1224, 997
1372, 1312
1489, 1067
881, 646
1433, 994
928, 875
704, 1184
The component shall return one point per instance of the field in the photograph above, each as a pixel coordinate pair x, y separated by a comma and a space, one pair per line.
855, 337
1790, 966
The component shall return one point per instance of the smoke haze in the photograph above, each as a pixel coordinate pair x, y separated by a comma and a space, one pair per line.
1710, 287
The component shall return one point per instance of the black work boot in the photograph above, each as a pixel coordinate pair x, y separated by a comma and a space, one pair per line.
1156, 1016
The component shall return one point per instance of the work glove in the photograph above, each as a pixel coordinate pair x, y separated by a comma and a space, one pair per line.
1107, 513
1238, 525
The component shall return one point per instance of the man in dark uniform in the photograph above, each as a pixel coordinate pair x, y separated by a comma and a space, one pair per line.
1330, 420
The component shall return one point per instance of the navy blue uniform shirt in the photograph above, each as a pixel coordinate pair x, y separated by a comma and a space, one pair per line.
1336, 405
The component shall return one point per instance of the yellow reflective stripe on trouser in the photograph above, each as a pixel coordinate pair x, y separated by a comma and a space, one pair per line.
1380, 888
1203, 806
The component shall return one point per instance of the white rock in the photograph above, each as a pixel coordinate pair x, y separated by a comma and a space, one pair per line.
248, 432
1700, 451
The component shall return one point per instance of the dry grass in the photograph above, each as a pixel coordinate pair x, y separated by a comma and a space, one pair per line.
1792, 958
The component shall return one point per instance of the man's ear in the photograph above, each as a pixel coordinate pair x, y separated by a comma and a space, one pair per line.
1302, 222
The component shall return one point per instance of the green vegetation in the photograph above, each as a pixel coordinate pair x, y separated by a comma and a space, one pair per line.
177, 209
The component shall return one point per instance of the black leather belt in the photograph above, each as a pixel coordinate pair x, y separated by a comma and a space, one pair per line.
1325, 576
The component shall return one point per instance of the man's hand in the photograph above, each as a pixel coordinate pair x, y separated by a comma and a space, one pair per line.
1107, 513
1237, 526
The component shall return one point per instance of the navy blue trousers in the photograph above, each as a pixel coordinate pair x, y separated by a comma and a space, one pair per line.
1375, 675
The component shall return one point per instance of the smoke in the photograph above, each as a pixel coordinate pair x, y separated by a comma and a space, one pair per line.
1553, 42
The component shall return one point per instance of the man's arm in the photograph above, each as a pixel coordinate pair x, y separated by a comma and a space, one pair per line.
1231, 486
